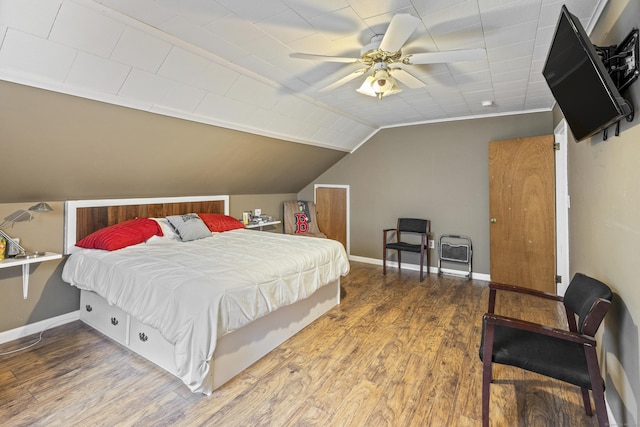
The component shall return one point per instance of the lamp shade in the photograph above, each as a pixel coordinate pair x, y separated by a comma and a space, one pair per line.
41, 207
380, 84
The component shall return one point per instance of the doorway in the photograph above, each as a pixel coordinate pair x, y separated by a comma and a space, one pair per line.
522, 212
562, 207
332, 212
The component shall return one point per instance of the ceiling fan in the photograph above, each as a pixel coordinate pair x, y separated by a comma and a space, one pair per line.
386, 62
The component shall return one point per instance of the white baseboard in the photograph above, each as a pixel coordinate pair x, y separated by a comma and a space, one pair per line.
612, 420
34, 328
416, 267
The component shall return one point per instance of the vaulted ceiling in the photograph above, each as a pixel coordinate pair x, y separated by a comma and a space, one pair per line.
227, 62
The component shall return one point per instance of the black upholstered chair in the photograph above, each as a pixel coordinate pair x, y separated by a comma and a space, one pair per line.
568, 356
421, 227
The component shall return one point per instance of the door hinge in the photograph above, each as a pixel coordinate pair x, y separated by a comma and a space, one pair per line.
558, 279
556, 146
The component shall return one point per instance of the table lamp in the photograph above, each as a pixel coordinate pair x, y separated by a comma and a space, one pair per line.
21, 216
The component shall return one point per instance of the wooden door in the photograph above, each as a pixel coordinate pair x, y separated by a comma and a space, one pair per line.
331, 210
522, 212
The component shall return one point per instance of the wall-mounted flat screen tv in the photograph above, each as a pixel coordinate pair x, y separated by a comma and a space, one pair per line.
579, 81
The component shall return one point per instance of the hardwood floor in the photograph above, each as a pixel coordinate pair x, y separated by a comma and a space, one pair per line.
396, 352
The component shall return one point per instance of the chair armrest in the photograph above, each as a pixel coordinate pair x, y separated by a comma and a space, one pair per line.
527, 291
385, 232
510, 322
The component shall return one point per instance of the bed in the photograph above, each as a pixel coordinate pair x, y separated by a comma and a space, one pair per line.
204, 309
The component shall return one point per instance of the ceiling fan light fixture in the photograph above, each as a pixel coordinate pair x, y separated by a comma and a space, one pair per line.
379, 85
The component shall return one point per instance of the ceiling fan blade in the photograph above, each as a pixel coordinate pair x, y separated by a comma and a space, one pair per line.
446, 56
345, 79
401, 27
322, 57
407, 78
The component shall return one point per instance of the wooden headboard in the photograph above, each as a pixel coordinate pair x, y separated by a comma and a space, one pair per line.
83, 217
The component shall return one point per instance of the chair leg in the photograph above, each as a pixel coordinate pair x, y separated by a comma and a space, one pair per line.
597, 386
487, 360
421, 263
428, 257
486, 390
399, 260
586, 400
601, 407
384, 261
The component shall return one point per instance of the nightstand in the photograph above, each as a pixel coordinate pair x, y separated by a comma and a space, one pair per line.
261, 224
24, 262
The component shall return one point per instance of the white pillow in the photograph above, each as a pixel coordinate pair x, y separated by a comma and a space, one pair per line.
167, 230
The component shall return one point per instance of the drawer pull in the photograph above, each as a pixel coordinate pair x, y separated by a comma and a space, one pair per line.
114, 321
143, 337
88, 308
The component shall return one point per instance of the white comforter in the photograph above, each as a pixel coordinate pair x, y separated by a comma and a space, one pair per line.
195, 292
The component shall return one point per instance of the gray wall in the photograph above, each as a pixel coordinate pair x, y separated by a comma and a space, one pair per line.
63, 147
604, 232
437, 171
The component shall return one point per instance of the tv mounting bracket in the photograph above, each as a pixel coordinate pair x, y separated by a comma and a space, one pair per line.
623, 65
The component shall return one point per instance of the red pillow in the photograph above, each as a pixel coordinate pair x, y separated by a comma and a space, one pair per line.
121, 235
220, 222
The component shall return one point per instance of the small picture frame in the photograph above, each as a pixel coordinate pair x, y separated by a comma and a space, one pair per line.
12, 250
246, 217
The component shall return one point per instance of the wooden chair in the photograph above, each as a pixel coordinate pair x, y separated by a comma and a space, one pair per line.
421, 227
568, 356
299, 218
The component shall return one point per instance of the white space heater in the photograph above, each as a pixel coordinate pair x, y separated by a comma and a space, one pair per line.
455, 248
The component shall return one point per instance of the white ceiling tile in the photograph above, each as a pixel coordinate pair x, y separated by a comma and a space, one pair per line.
286, 26
452, 19
31, 16
198, 12
510, 76
200, 37
268, 70
144, 86
510, 64
311, 8
97, 73
505, 36
140, 50
148, 11
252, 92
496, 14
225, 109
215, 78
516, 50
368, 8
255, 11
236, 29
182, 97
339, 24
182, 65
30, 54
85, 28
425, 8
294, 108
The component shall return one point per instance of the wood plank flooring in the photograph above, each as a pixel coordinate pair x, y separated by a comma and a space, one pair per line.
396, 352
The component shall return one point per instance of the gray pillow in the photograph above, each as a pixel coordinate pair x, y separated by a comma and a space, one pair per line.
189, 227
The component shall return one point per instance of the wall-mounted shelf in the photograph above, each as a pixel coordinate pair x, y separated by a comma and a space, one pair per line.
261, 224
24, 262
